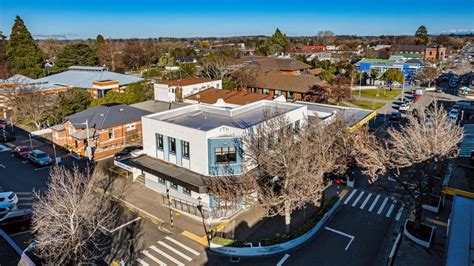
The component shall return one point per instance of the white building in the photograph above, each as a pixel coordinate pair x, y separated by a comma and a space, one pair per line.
177, 90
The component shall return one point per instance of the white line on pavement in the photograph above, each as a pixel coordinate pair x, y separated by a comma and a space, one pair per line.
399, 214
283, 259
23, 193
350, 196
374, 203
182, 245
153, 258
3, 166
358, 198
142, 262
166, 256
343, 234
391, 209
365, 201
382, 206
175, 251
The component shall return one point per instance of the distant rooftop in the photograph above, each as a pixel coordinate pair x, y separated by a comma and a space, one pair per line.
184, 82
204, 117
212, 95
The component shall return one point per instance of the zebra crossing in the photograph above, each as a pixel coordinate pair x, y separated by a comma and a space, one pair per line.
25, 200
167, 251
374, 203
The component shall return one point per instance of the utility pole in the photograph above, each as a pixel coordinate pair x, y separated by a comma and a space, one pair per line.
169, 206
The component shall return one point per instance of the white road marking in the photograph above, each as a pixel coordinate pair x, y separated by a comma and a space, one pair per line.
182, 245
283, 259
174, 250
358, 198
399, 214
365, 201
3, 166
391, 209
166, 256
343, 234
153, 258
23, 193
142, 262
350, 196
374, 203
382, 206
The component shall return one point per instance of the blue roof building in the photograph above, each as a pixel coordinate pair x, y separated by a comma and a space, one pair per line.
408, 67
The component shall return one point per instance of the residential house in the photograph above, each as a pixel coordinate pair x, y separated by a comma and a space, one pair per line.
177, 90
100, 131
97, 80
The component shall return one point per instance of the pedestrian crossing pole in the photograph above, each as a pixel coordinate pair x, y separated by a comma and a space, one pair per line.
169, 206
338, 181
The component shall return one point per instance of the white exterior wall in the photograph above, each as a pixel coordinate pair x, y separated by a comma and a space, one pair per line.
167, 93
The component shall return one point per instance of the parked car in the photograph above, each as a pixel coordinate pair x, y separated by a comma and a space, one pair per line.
126, 152
6, 137
8, 197
454, 113
395, 117
39, 158
21, 152
16, 221
6, 207
404, 107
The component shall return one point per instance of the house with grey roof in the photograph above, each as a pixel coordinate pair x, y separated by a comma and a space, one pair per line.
100, 131
98, 80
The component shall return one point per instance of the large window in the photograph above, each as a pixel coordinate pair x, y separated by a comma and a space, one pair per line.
278, 92
185, 147
159, 141
172, 144
186, 191
266, 91
111, 133
173, 186
226, 155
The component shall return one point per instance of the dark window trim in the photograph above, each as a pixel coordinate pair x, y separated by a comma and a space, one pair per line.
225, 151
183, 149
159, 139
172, 151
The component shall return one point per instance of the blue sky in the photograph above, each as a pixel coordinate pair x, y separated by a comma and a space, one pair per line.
187, 18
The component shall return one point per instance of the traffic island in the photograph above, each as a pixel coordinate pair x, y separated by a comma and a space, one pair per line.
422, 236
279, 244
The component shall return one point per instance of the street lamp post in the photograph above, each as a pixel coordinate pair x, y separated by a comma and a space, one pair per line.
169, 206
199, 206
31, 143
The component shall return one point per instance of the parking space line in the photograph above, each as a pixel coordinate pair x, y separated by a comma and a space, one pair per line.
343, 234
358, 198
365, 201
175, 251
399, 214
374, 203
382, 206
166, 255
283, 259
350, 196
153, 258
142, 262
391, 209
182, 245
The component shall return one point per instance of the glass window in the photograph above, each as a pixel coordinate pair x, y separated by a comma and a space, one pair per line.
185, 147
173, 186
159, 141
291, 95
186, 191
172, 144
266, 91
226, 154
111, 133
161, 180
277, 92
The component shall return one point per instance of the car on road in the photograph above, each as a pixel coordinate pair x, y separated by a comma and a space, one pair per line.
16, 221
8, 197
126, 152
395, 117
21, 152
39, 158
6, 207
454, 113
6, 137
404, 107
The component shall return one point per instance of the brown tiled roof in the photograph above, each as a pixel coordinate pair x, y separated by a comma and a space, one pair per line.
267, 64
184, 82
315, 71
278, 81
211, 95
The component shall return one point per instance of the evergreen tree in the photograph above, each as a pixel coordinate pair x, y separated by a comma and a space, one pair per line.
422, 34
77, 54
279, 38
3, 58
100, 39
23, 55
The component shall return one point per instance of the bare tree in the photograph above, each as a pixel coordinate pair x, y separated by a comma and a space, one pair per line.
338, 89
134, 55
326, 37
69, 218
416, 156
285, 165
216, 66
243, 77
428, 74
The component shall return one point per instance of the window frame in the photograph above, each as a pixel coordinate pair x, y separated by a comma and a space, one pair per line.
172, 140
159, 141
161, 180
185, 146
186, 191
111, 133
225, 152
173, 185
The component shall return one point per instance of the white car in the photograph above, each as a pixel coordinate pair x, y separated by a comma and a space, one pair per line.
404, 107
8, 197
6, 207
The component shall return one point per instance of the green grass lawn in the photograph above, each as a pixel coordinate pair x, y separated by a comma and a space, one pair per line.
368, 105
383, 94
